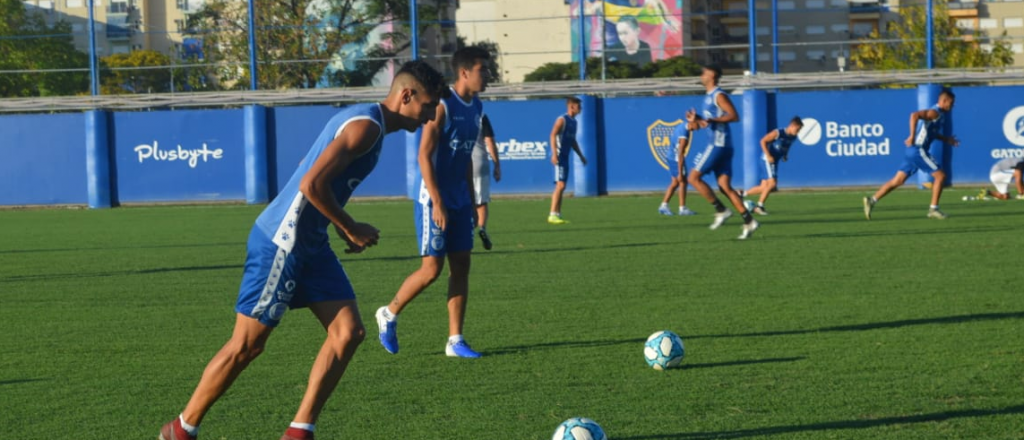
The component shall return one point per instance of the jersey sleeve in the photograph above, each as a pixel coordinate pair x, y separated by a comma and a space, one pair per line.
485, 127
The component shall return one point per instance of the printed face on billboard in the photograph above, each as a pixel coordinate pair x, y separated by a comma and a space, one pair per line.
635, 31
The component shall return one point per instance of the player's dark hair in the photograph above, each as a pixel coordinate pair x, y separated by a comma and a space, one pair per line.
630, 20
714, 68
573, 100
467, 57
428, 77
796, 120
948, 92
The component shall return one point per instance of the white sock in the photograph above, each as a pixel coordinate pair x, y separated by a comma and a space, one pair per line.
307, 426
934, 206
761, 205
191, 430
455, 339
388, 315
554, 214
664, 205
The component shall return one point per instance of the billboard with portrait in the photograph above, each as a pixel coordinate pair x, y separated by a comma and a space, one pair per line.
636, 31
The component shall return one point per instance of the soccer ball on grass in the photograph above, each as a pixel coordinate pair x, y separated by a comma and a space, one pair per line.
664, 350
579, 428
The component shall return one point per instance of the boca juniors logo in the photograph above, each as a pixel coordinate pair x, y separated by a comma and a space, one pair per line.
659, 138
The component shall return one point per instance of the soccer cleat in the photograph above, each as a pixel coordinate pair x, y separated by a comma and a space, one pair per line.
173, 431
663, 210
935, 213
556, 220
759, 210
983, 194
486, 239
686, 211
297, 434
388, 331
748, 229
749, 205
1019, 197
868, 207
720, 218
460, 350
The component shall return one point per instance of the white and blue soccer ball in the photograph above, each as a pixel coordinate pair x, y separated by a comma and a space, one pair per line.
579, 428
664, 350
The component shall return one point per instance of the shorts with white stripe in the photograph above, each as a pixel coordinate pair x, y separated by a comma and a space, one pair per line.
918, 159
769, 170
456, 237
714, 159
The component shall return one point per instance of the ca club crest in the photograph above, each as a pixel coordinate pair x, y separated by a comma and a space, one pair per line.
659, 138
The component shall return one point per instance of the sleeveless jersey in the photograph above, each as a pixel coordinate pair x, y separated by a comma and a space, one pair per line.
566, 137
289, 220
454, 151
927, 131
679, 133
780, 146
718, 132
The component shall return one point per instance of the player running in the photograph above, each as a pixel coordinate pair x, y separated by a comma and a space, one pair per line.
775, 147
290, 263
563, 137
925, 127
445, 210
677, 171
484, 152
1003, 173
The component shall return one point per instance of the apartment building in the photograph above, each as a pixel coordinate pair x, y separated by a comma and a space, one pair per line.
994, 19
529, 33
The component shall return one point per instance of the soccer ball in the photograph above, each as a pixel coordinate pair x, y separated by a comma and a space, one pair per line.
579, 428
664, 350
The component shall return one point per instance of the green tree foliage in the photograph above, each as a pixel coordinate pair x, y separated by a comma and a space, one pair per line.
903, 46
28, 43
668, 68
146, 71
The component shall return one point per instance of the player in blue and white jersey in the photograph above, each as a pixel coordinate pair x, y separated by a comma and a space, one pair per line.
677, 171
775, 148
925, 127
444, 214
290, 263
715, 116
563, 143
1002, 174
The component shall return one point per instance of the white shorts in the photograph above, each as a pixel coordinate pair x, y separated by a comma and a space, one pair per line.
1001, 180
481, 189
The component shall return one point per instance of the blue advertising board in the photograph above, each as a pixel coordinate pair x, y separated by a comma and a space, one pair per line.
191, 155
989, 122
522, 131
43, 159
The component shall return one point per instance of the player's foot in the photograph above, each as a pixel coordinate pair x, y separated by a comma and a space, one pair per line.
749, 205
869, 205
686, 211
759, 210
1019, 197
297, 434
983, 194
720, 218
173, 431
460, 350
556, 220
663, 210
935, 213
388, 331
486, 239
748, 229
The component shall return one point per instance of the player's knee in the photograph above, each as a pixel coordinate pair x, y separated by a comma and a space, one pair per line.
243, 352
939, 175
348, 336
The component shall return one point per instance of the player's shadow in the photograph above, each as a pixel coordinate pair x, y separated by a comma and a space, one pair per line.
17, 381
116, 248
117, 273
832, 426
515, 349
483, 254
889, 232
686, 366
957, 319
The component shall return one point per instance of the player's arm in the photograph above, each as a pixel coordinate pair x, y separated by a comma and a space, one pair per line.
682, 143
725, 104
1018, 178
928, 115
428, 147
767, 139
579, 152
492, 149
559, 123
356, 140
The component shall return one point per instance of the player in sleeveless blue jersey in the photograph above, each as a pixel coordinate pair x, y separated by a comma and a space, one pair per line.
715, 116
563, 143
290, 263
925, 127
775, 148
444, 214
677, 170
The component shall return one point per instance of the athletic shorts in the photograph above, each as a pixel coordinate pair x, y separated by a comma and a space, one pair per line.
456, 237
276, 280
562, 171
1001, 180
769, 170
673, 168
918, 159
481, 189
714, 159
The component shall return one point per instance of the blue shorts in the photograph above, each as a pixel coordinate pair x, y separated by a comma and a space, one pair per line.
276, 280
918, 159
562, 171
769, 170
673, 169
456, 237
714, 159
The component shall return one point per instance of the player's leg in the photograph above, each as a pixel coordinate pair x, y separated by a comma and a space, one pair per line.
1001, 181
1018, 179
683, 210
939, 179
663, 209
769, 186
561, 176
460, 245
897, 181
482, 212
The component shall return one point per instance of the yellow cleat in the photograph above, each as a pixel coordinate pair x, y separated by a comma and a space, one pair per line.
556, 220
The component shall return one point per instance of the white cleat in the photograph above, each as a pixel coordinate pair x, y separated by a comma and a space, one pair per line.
935, 213
720, 217
686, 211
748, 229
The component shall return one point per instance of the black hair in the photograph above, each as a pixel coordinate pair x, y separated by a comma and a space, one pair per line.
630, 20
714, 68
796, 120
431, 80
573, 100
467, 57
948, 92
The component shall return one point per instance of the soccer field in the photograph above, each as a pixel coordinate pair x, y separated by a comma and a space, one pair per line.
823, 325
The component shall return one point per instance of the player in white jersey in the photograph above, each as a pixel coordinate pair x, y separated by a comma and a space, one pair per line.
445, 210
925, 127
290, 263
563, 143
485, 152
1005, 172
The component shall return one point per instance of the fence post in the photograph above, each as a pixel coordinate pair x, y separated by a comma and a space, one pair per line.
256, 178
97, 158
585, 178
755, 125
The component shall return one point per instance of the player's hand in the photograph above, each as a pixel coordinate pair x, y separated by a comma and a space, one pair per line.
769, 158
584, 160
701, 123
691, 115
440, 216
554, 160
909, 141
785, 158
358, 237
954, 141
497, 173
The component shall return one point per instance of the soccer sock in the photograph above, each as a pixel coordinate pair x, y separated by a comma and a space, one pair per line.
455, 339
719, 207
760, 205
747, 218
873, 200
306, 426
664, 205
191, 430
554, 214
934, 207
388, 314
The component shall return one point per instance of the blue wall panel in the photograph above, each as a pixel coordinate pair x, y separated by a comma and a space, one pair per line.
522, 131
989, 122
43, 159
192, 155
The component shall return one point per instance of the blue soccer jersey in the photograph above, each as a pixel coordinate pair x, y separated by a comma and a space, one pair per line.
679, 136
454, 151
928, 131
565, 138
779, 148
718, 133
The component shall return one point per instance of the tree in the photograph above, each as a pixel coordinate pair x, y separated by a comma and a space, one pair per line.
146, 71
28, 43
668, 68
903, 45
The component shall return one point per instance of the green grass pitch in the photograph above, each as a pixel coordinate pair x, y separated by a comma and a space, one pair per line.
823, 325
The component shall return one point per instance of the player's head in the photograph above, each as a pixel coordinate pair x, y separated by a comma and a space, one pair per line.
710, 74
573, 106
946, 99
417, 90
469, 65
628, 30
794, 126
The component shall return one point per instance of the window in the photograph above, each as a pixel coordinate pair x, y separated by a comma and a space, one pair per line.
838, 53
181, 4
815, 30
1013, 22
738, 57
815, 4
763, 30
842, 3
737, 31
120, 48
988, 23
787, 30
1017, 48
77, 27
179, 24
815, 55
761, 56
840, 28
787, 5
75, 4
787, 56
965, 23
862, 29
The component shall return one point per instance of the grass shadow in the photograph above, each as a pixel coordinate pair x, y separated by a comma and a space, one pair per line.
115, 248
117, 273
17, 381
565, 344
740, 362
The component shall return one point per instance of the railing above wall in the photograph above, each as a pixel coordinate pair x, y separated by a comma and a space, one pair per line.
646, 86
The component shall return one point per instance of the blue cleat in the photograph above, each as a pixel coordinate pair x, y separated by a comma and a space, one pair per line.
388, 331
461, 350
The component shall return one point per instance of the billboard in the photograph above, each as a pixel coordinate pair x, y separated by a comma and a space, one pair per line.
635, 31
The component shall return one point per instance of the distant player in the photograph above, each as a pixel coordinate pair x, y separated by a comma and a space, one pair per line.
925, 127
1004, 173
290, 263
775, 147
715, 116
444, 214
485, 152
563, 142
677, 171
